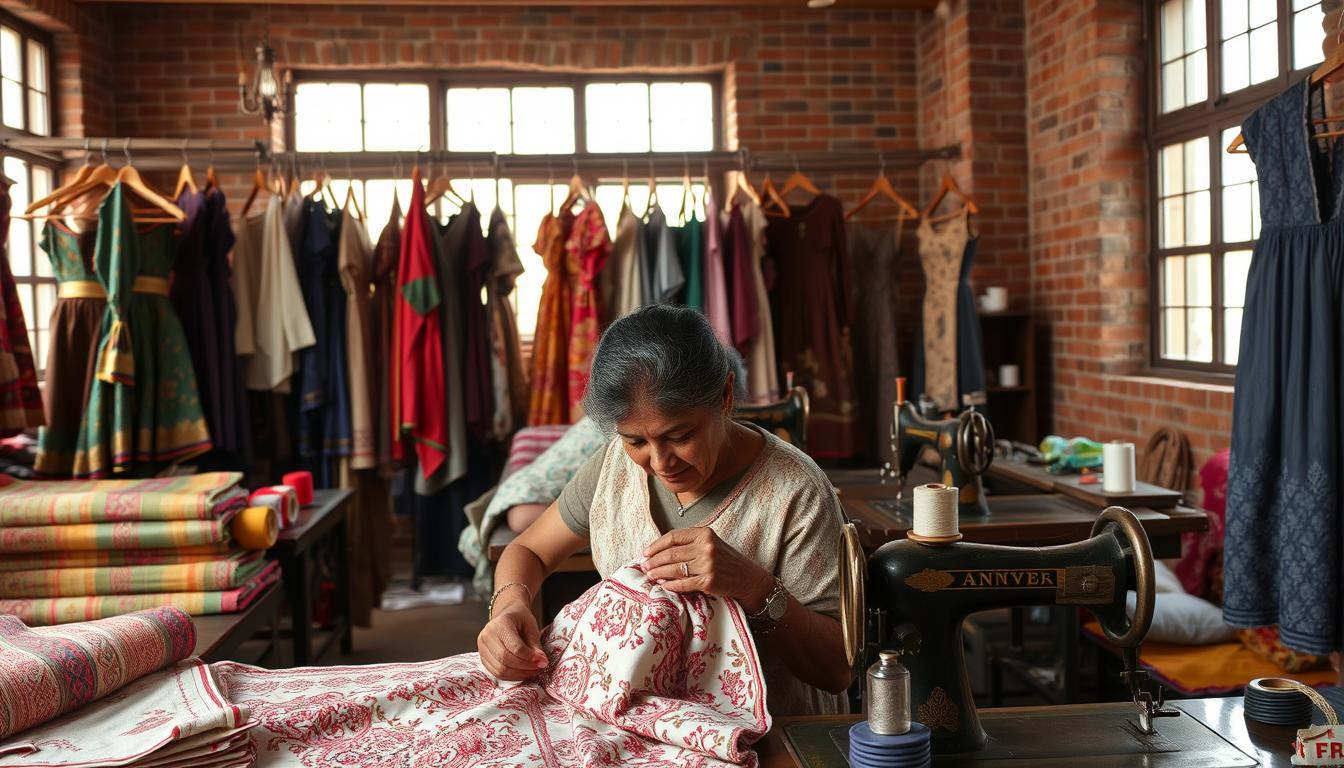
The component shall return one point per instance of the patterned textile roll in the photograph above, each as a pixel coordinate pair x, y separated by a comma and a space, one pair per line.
209, 576
284, 499
45, 673
150, 534
115, 557
66, 502
61, 610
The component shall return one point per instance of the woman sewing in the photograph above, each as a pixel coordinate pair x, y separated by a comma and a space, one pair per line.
711, 505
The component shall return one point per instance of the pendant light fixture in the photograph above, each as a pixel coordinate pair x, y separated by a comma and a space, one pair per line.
265, 94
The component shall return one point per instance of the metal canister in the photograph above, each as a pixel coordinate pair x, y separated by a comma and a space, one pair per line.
889, 695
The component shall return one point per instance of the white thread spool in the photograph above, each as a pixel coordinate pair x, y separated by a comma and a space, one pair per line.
1117, 467
935, 514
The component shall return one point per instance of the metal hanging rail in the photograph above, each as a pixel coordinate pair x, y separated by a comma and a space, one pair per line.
241, 156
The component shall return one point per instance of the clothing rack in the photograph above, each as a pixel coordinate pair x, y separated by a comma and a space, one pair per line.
243, 156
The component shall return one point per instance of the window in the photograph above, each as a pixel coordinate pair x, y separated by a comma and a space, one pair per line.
25, 109
510, 114
1214, 62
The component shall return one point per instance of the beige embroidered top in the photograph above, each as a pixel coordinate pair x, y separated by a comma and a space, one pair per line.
940, 253
783, 514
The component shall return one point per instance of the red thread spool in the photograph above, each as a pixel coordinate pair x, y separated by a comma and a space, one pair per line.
303, 486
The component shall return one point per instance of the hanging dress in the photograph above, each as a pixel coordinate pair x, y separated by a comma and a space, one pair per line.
355, 258
586, 252
621, 283
812, 319
689, 242
508, 377
143, 411
763, 382
449, 243
715, 277
20, 399
477, 391
949, 358
204, 302
550, 346
76, 323
386, 253
874, 251
1282, 560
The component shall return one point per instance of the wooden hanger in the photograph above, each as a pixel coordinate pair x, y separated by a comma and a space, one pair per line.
81, 176
350, 199
578, 191
184, 178
442, 187
798, 180
258, 184
625, 189
949, 184
882, 188
743, 185
129, 177
774, 204
1325, 69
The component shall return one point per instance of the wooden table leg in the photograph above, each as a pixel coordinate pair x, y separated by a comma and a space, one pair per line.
343, 623
298, 585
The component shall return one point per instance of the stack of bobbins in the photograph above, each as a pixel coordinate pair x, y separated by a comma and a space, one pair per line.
935, 515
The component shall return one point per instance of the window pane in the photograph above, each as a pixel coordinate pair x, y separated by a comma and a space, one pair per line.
1173, 85
1173, 281
37, 66
1233, 17
1198, 281
1231, 336
378, 196
1173, 29
617, 117
1194, 25
1237, 213
1235, 266
1199, 335
1196, 77
1263, 11
396, 116
26, 303
683, 117
478, 120
1264, 53
11, 102
1173, 222
37, 113
1172, 161
327, 117
543, 120
1197, 164
1197, 218
1237, 167
11, 65
46, 302
1173, 333
1307, 48
1236, 64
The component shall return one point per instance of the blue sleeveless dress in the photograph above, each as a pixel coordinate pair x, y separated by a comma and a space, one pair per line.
1282, 551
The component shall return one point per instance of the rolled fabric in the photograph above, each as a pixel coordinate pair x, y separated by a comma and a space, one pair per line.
303, 485
256, 528
53, 670
284, 499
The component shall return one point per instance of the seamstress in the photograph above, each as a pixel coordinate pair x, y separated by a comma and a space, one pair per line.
712, 505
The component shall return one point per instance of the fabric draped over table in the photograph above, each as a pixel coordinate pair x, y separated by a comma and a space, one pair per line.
1282, 560
638, 676
143, 411
45, 673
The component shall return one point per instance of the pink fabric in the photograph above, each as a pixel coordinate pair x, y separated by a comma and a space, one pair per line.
1198, 550
531, 442
639, 676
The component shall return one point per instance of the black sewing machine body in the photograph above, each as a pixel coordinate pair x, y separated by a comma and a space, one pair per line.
923, 593
965, 445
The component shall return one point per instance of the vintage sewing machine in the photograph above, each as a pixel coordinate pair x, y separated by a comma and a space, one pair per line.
965, 445
918, 595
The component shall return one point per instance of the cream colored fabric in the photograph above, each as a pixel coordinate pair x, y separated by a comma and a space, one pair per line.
783, 514
280, 318
355, 260
621, 288
940, 253
762, 370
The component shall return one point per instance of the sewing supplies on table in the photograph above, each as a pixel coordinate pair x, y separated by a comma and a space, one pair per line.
935, 514
302, 482
1117, 467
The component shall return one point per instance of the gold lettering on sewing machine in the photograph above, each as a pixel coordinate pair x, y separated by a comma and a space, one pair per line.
1082, 585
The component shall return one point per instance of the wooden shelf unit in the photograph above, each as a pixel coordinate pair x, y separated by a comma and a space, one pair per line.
1009, 338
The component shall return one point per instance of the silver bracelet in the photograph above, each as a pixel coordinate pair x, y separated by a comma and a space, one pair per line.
490, 611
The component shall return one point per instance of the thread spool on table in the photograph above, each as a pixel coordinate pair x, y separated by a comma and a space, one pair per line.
935, 518
1117, 467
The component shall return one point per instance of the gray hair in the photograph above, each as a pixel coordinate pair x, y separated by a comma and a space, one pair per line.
662, 355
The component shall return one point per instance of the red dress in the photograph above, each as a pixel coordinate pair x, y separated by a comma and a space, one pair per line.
420, 405
20, 400
586, 253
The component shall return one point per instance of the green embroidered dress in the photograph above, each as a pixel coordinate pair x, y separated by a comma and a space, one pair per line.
144, 411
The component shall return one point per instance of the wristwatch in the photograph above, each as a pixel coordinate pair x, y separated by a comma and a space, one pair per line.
765, 620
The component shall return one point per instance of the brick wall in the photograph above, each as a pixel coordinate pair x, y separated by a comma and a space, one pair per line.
1089, 245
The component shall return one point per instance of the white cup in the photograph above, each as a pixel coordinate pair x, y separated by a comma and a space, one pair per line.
1009, 376
995, 299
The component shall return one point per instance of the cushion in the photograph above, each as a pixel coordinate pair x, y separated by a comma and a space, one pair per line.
1265, 643
1185, 620
1165, 579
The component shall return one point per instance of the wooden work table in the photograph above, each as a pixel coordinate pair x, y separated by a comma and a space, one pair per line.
1221, 719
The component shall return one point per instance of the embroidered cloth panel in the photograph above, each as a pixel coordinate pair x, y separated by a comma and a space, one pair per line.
65, 502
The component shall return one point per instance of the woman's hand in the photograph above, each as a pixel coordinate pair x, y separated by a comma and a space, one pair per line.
711, 566
510, 644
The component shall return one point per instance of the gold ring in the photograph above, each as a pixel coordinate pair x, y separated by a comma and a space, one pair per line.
686, 570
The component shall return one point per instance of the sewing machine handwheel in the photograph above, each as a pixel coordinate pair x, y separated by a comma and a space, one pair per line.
1144, 579
975, 442
853, 572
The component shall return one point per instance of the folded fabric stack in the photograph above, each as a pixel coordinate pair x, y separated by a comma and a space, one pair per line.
87, 549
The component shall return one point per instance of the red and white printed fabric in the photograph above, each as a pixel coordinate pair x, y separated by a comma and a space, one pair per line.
638, 676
